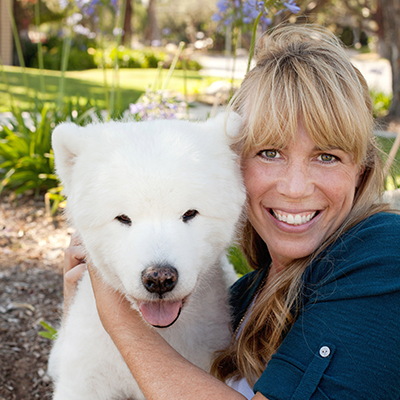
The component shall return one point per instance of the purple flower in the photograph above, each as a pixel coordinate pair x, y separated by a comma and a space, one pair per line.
222, 5
228, 21
135, 108
266, 21
216, 18
291, 6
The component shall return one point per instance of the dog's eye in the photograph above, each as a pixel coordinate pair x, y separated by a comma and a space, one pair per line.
190, 214
124, 219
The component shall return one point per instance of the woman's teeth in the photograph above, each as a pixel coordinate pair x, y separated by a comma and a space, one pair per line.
294, 219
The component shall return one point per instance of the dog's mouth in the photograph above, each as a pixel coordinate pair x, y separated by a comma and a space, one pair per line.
161, 313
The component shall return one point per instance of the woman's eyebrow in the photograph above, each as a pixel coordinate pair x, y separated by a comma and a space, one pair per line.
316, 148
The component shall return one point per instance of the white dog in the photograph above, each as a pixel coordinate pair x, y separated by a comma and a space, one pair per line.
156, 204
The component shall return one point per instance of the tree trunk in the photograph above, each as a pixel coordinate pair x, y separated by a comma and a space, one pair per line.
381, 47
128, 24
391, 21
152, 31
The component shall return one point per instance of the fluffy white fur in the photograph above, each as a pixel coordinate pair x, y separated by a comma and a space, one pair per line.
152, 172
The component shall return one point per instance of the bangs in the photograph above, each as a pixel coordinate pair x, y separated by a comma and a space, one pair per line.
311, 88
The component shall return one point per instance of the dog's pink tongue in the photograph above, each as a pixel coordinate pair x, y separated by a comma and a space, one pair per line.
160, 313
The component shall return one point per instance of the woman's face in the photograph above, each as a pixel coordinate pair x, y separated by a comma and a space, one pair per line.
298, 195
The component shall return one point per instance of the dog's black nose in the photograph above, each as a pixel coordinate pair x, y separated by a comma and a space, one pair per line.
160, 278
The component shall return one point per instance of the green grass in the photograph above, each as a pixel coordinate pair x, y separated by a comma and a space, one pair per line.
89, 84
392, 182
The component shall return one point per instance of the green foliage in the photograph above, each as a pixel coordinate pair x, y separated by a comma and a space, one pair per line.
127, 58
26, 156
381, 103
49, 333
79, 58
146, 58
238, 261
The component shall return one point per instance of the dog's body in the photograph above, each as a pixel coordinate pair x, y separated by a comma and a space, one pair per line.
156, 205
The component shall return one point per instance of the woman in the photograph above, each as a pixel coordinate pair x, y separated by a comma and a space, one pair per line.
318, 317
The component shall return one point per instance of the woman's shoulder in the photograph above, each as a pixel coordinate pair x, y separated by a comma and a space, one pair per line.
376, 234
381, 220
364, 261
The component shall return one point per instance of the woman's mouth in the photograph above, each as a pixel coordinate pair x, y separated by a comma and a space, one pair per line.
293, 219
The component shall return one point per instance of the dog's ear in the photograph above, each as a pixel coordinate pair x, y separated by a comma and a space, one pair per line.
231, 121
67, 143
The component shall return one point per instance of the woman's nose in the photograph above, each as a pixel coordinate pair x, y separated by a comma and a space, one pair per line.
296, 182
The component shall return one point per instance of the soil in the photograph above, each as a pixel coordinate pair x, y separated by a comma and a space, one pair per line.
31, 253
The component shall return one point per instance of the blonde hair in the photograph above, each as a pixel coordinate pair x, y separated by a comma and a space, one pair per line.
302, 76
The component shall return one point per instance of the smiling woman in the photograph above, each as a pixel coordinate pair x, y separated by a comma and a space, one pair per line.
314, 179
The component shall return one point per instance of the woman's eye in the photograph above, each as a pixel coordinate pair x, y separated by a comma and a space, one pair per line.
327, 158
270, 154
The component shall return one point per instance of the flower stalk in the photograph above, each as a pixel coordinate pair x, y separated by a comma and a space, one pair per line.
40, 47
253, 40
18, 47
173, 65
115, 87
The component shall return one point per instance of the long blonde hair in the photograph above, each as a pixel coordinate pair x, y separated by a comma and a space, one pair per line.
302, 74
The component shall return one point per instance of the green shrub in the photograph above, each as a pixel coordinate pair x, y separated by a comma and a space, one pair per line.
146, 58
79, 59
381, 103
26, 156
128, 58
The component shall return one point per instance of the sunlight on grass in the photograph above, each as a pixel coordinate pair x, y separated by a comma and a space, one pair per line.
89, 84
393, 180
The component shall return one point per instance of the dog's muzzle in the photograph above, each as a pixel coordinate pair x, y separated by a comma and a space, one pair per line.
160, 279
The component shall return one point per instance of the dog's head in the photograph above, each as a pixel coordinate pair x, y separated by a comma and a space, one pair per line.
156, 203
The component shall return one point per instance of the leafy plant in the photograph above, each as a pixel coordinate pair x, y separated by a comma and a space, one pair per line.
26, 156
381, 103
49, 333
238, 261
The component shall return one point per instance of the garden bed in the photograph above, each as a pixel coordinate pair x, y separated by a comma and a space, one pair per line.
31, 251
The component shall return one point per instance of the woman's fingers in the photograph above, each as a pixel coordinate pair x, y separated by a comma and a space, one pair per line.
72, 277
73, 256
74, 267
75, 240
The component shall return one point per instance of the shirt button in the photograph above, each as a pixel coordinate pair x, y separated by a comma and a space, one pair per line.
324, 351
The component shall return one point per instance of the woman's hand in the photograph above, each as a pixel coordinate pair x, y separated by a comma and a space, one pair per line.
73, 268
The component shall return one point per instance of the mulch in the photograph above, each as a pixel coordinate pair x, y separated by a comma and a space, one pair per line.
31, 252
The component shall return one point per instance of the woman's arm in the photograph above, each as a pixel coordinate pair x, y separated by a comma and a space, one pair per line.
161, 372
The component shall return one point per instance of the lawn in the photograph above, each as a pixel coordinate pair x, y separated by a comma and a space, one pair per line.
89, 84
386, 144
